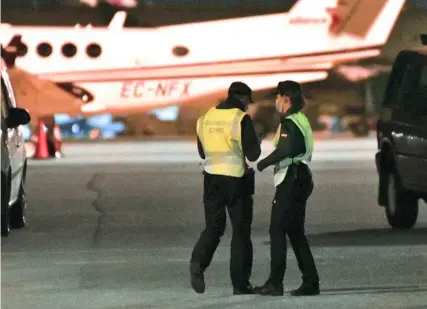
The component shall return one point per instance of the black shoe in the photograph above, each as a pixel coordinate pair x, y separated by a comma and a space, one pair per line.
246, 290
270, 289
197, 278
307, 289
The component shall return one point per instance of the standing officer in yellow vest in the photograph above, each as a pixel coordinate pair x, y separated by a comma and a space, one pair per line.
294, 185
225, 136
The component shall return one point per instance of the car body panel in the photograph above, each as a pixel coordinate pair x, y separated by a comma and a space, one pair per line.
402, 125
13, 147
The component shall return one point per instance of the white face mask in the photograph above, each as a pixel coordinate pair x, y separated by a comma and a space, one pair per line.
279, 106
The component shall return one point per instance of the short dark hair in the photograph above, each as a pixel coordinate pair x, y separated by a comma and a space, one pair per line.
240, 89
244, 98
297, 102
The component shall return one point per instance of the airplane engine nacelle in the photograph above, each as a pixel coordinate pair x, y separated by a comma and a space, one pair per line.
77, 92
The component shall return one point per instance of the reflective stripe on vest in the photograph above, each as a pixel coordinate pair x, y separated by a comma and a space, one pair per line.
303, 124
219, 131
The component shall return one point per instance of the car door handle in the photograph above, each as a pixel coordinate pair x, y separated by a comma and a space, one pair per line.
18, 144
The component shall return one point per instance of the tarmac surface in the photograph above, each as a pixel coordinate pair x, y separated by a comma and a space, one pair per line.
112, 226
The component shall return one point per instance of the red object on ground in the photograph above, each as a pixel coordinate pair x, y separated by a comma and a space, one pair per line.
42, 151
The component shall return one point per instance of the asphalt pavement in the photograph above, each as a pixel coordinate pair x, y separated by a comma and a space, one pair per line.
117, 232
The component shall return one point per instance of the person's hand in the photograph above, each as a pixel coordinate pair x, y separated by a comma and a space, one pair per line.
260, 166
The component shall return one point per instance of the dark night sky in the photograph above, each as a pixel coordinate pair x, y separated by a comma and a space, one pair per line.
70, 12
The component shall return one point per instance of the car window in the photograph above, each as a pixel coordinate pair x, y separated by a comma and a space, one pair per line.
423, 79
421, 92
405, 88
414, 88
4, 105
393, 89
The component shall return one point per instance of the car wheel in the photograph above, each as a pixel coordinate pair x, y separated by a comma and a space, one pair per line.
17, 211
5, 195
402, 206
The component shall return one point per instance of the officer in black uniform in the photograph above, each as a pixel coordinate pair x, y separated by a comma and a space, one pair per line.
225, 191
289, 204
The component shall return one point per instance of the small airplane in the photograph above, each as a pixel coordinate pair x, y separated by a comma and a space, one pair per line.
122, 70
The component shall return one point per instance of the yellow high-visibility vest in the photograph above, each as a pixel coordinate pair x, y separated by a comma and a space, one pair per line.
281, 168
219, 131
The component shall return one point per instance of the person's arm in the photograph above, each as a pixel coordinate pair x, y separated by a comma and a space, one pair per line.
291, 144
250, 143
200, 148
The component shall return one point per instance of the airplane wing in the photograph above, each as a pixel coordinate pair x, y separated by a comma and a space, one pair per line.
41, 97
261, 67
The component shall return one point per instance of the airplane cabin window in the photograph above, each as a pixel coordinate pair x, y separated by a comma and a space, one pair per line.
44, 49
22, 50
69, 50
180, 51
93, 50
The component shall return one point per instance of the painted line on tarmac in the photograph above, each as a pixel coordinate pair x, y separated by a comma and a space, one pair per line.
90, 262
322, 256
331, 251
354, 156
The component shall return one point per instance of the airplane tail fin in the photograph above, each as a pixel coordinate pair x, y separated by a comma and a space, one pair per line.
366, 20
310, 8
370, 21
118, 21
10, 52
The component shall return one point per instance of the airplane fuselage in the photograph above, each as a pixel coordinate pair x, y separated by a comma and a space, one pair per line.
138, 69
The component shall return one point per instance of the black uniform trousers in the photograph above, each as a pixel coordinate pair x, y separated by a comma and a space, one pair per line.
221, 192
288, 218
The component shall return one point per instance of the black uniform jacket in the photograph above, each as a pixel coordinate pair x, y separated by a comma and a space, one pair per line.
250, 143
291, 142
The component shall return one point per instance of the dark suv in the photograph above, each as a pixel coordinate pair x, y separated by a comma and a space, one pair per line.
402, 140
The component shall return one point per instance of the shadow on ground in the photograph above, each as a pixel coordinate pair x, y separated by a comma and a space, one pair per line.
371, 237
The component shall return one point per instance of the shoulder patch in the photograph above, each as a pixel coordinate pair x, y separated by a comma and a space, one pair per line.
283, 135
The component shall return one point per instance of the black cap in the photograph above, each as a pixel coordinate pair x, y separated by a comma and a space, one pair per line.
240, 88
288, 88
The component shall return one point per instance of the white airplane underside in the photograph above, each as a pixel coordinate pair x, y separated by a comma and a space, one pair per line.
141, 95
116, 69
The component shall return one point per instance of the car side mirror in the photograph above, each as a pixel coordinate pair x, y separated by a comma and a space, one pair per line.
17, 116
